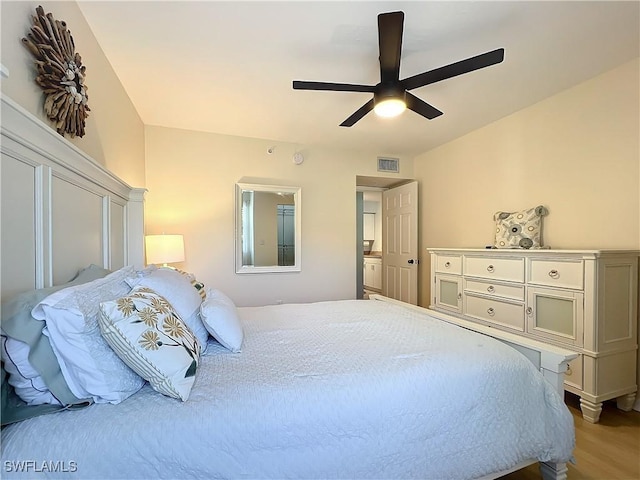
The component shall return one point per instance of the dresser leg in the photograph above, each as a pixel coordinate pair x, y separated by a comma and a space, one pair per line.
590, 411
553, 471
625, 402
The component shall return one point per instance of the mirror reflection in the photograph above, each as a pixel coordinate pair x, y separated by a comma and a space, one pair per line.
267, 228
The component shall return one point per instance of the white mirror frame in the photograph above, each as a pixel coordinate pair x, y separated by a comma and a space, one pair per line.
297, 198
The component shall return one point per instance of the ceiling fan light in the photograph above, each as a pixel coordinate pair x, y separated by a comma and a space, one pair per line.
390, 107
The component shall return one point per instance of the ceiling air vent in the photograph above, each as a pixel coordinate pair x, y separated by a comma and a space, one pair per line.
388, 165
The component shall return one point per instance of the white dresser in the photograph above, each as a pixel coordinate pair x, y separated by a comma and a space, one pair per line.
584, 300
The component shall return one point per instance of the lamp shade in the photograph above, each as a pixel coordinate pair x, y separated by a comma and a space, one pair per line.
164, 248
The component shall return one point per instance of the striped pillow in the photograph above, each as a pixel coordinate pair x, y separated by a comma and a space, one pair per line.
177, 289
199, 286
149, 336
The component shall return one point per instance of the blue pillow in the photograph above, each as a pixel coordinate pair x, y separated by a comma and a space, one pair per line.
15, 410
18, 323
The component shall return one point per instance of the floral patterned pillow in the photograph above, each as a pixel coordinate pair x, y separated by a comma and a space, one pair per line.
521, 229
150, 337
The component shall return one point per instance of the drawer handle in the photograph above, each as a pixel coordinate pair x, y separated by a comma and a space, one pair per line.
490, 269
554, 274
569, 371
447, 264
491, 312
491, 289
529, 311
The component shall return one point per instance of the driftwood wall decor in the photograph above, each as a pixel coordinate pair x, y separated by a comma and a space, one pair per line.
60, 73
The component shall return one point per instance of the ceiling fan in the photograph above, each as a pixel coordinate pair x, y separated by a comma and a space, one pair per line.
391, 96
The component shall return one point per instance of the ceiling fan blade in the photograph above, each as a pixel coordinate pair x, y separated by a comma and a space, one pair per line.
390, 45
361, 112
335, 87
454, 69
421, 107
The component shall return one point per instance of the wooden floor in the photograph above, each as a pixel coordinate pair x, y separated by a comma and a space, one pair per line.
608, 450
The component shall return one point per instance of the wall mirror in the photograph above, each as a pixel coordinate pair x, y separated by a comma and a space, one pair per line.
268, 228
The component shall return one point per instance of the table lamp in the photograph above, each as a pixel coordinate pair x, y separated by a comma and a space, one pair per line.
164, 249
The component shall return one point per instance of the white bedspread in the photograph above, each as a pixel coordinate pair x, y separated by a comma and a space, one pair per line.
348, 389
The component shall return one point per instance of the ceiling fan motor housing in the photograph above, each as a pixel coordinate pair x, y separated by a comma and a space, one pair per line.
389, 91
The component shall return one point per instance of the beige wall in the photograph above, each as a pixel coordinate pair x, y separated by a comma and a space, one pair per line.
114, 132
191, 179
577, 153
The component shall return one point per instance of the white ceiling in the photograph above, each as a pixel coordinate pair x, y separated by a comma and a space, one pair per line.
227, 67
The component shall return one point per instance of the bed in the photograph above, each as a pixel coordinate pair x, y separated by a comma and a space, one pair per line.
338, 389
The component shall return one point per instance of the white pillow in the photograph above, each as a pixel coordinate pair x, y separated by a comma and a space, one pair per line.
89, 366
149, 335
26, 381
180, 293
220, 317
37, 379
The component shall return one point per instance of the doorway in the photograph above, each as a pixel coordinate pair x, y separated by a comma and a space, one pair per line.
386, 258
372, 241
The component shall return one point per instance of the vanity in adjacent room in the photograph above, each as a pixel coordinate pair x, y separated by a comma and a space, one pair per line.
372, 234
373, 272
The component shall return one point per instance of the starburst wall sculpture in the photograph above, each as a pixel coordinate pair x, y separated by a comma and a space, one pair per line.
60, 73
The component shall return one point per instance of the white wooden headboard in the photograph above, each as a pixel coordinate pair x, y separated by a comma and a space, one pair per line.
60, 210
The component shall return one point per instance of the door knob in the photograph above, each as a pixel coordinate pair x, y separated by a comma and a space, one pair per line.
411, 261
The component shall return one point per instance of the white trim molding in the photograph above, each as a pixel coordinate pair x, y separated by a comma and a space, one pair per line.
67, 211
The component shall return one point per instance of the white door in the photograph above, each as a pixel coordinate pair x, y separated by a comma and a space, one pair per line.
400, 243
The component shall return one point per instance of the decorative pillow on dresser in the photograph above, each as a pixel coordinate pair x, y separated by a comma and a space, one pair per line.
90, 367
147, 333
521, 229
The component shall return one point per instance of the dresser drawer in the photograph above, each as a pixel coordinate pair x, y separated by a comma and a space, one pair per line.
513, 292
509, 269
449, 264
494, 311
557, 273
573, 376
